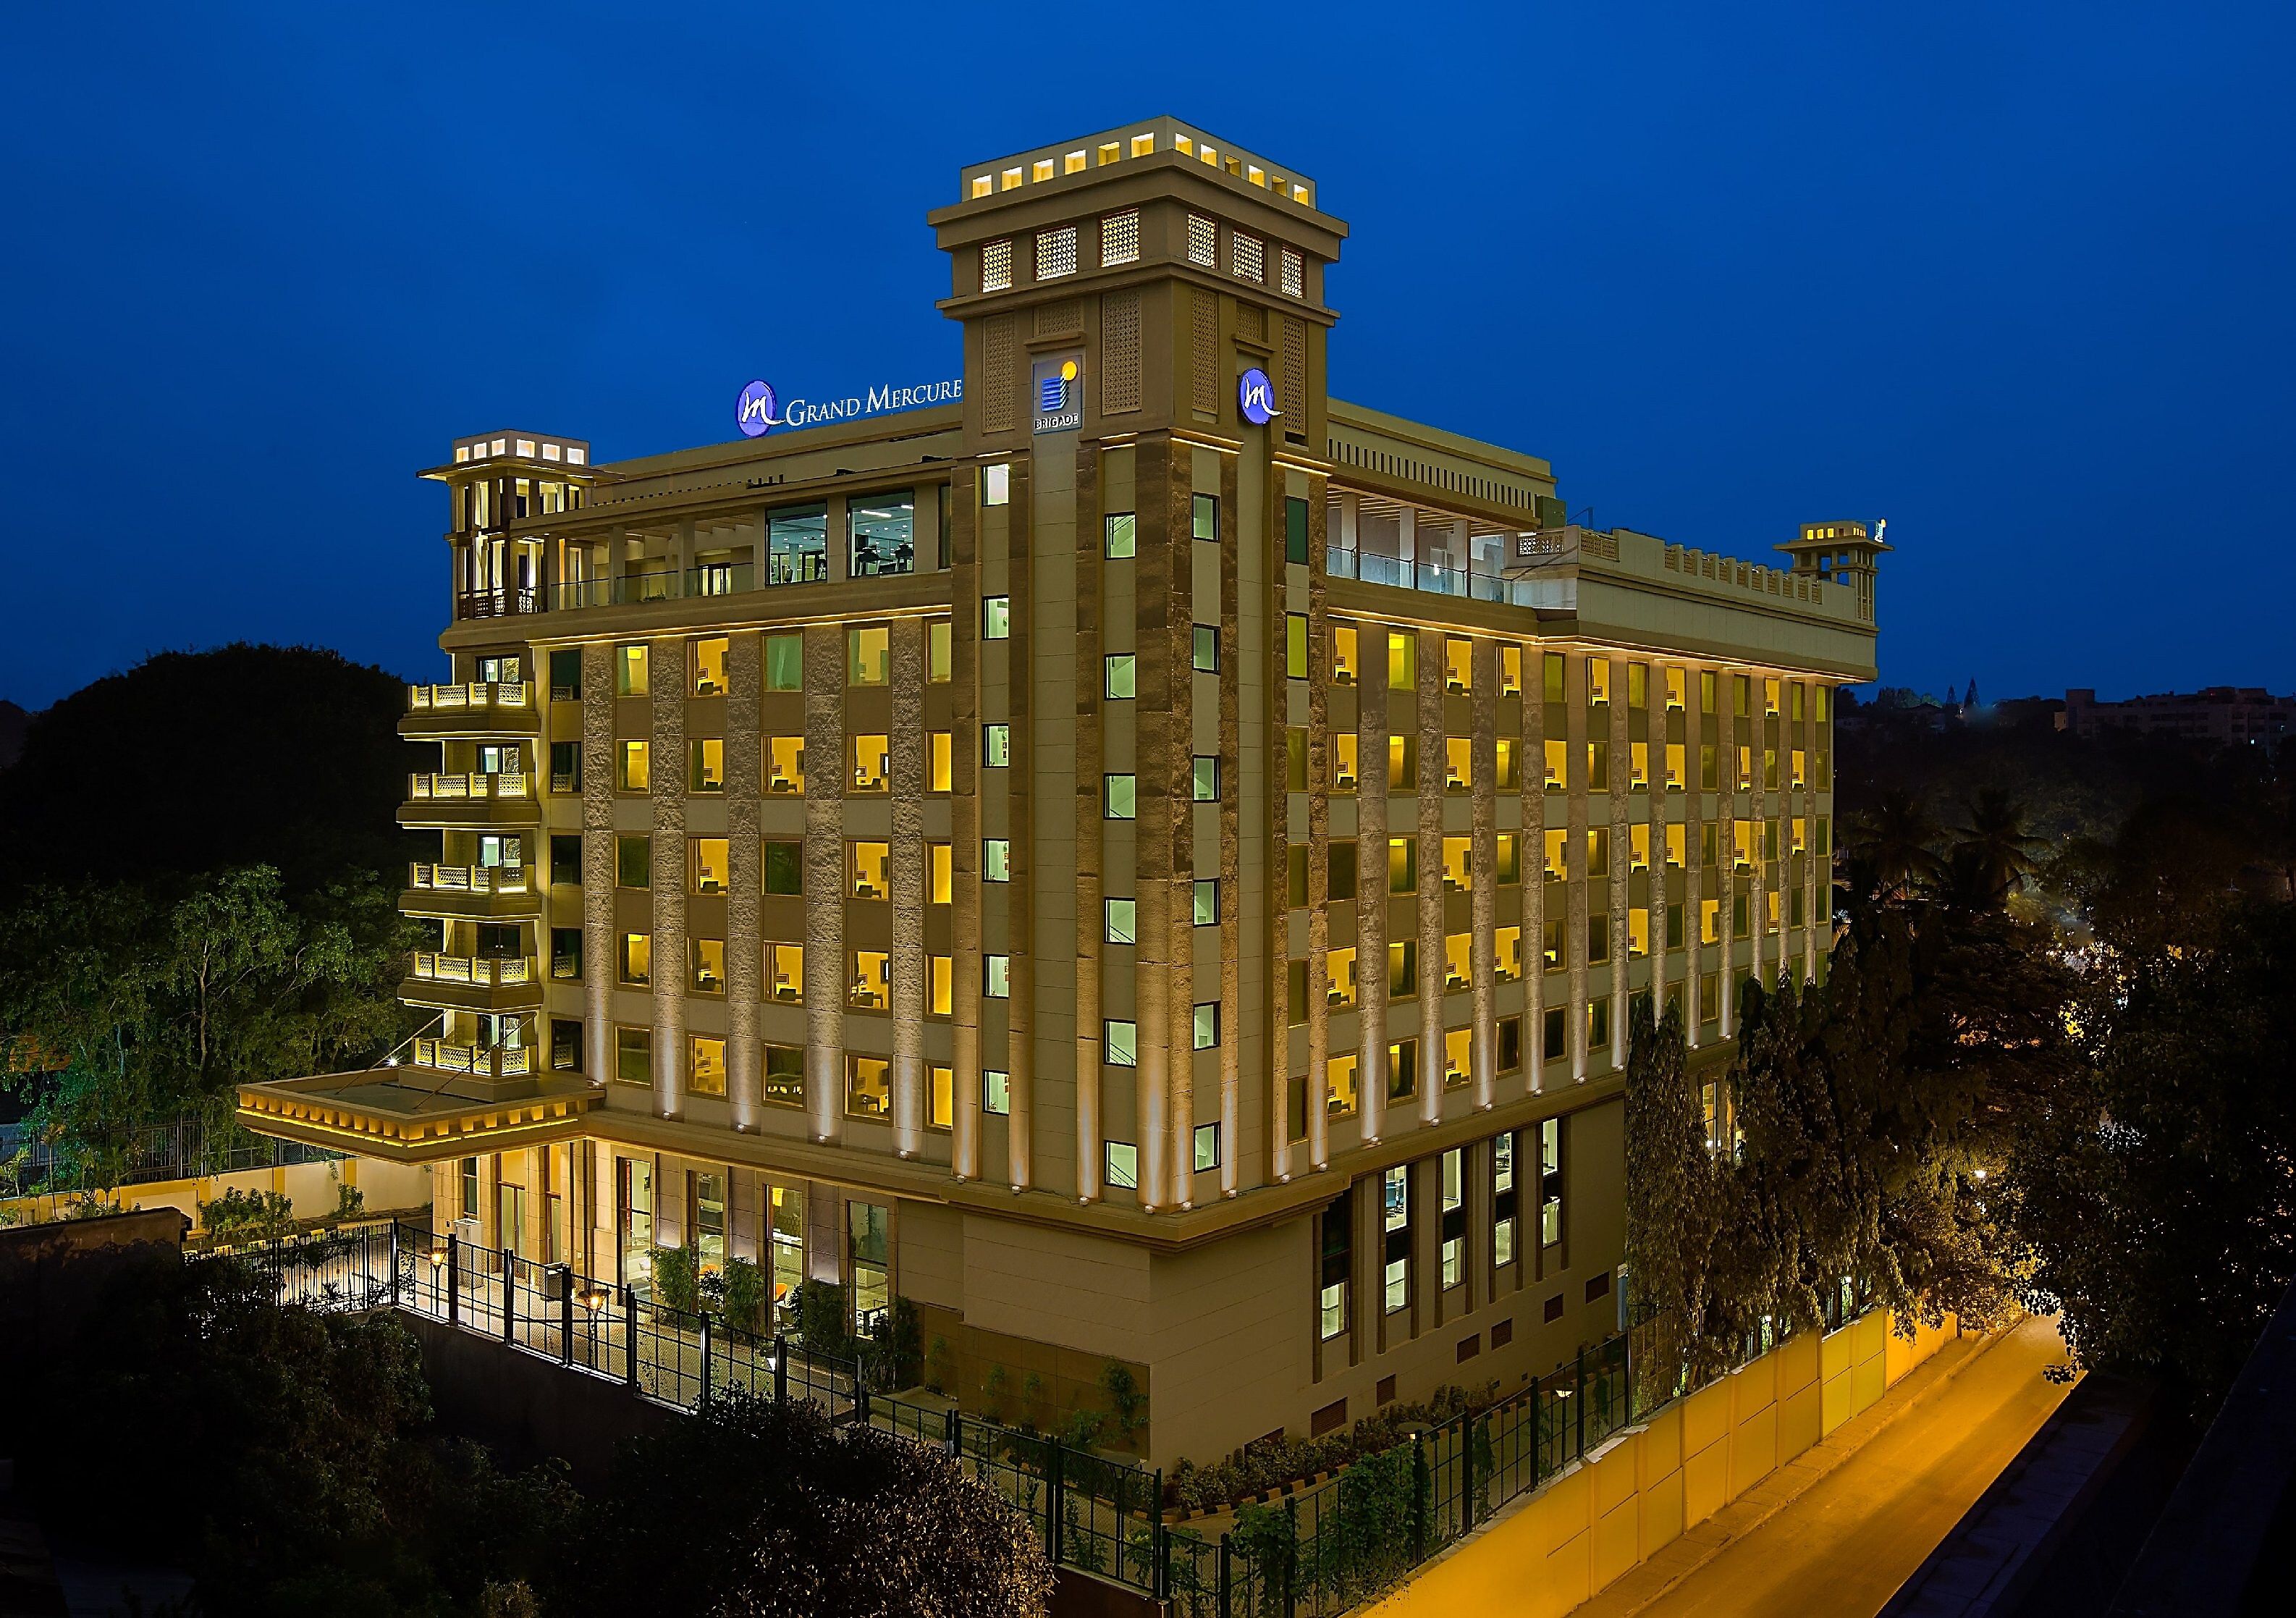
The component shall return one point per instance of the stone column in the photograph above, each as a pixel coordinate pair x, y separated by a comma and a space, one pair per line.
908, 745
598, 972
825, 982
744, 884
666, 678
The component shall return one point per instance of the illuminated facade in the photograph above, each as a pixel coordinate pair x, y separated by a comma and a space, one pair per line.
1146, 883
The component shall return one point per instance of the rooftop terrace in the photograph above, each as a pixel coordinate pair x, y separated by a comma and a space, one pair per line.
1121, 145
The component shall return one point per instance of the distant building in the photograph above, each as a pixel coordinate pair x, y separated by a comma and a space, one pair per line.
2223, 714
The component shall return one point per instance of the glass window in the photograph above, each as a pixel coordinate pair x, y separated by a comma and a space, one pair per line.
868, 1087
1295, 531
706, 765
634, 1055
1120, 921
1118, 797
1119, 1043
1295, 645
785, 974
1120, 676
1402, 661
1121, 1169
869, 865
706, 1076
941, 761
938, 655
1344, 771
1207, 902
784, 867
634, 767
1343, 654
633, 860
996, 977
1204, 779
566, 952
872, 986
1205, 655
1206, 1025
940, 873
1121, 532
706, 863
940, 985
868, 655
997, 746
995, 860
1339, 1086
1207, 1144
940, 1098
785, 765
707, 964
882, 531
637, 958
996, 618
785, 662
869, 1231
996, 480
873, 763
796, 546
996, 1091
783, 1083
630, 671
1203, 517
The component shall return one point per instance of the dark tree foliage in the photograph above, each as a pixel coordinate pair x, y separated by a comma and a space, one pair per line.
2160, 1194
759, 1510
1674, 1205
285, 756
312, 1482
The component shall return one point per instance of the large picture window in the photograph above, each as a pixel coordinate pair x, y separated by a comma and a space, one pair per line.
882, 531
796, 544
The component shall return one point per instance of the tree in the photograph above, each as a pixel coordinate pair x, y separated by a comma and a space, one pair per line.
1995, 849
792, 1515
118, 1014
2159, 1193
284, 756
1899, 840
1673, 1203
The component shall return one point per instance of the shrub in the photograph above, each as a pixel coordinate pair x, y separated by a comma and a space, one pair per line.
744, 1297
248, 1216
676, 1279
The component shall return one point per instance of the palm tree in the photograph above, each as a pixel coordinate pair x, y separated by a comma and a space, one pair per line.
2000, 854
1897, 841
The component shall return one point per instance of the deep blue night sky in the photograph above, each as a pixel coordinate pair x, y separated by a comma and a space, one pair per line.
2019, 283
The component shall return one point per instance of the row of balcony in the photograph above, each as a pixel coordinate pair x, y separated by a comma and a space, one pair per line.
485, 972
670, 584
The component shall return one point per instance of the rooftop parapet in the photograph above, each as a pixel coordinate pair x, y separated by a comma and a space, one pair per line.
1121, 145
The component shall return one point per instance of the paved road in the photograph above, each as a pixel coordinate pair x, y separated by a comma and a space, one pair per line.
1846, 1545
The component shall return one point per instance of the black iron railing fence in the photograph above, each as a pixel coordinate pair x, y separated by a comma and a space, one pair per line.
1317, 1552
186, 1148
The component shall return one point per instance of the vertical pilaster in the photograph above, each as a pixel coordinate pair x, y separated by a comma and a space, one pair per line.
1482, 868
1371, 879
666, 673
1622, 861
1434, 735
907, 782
825, 966
744, 935
597, 859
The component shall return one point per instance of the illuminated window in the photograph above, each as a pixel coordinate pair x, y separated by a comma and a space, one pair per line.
1638, 767
873, 763
706, 964
1119, 238
1247, 257
1339, 970
630, 671
868, 1087
1343, 761
939, 872
633, 771
1119, 1043
1508, 850
995, 266
1402, 661
996, 1091
1598, 850
1506, 954
1458, 960
871, 988
996, 859
1598, 767
710, 667
706, 861
996, 483
1676, 778
1056, 253
1598, 680
1458, 1067
1402, 865
1458, 764
1339, 1087
1294, 280
1403, 763
1456, 853
1119, 674
867, 865
1557, 759
785, 974
705, 760
1119, 535
785, 765
1638, 847
1556, 845
1673, 688
941, 985
1678, 843
706, 1066
996, 977
996, 618
940, 761
1203, 239
1507, 773
997, 746
940, 1098
637, 958
1343, 654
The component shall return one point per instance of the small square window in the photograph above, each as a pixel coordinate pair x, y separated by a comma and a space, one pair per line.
996, 977
1122, 1165
1207, 902
997, 746
1122, 530
996, 859
1207, 1025
996, 484
996, 618
1204, 779
997, 1091
1120, 919
1207, 1146
1119, 797
1203, 517
1206, 656
1119, 1043
1120, 674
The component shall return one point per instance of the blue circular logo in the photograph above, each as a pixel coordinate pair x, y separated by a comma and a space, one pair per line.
1255, 396
755, 412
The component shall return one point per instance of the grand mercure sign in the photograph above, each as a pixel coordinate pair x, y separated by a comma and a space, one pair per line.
759, 409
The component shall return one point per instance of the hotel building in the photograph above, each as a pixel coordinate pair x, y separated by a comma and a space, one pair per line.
1140, 858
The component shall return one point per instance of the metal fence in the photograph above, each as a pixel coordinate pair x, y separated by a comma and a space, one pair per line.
1314, 1554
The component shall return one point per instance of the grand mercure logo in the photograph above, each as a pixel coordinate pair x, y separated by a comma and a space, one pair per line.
1255, 396
753, 413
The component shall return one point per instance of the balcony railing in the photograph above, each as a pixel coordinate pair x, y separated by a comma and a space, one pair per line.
473, 785
709, 579
476, 696
509, 600
482, 971
468, 879
498, 1062
1474, 582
